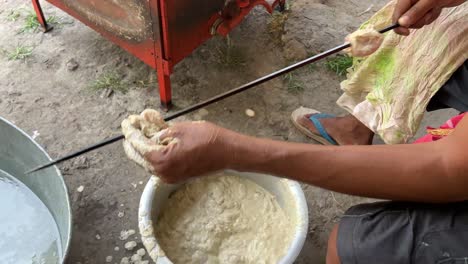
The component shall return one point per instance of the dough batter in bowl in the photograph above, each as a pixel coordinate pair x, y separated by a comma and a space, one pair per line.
231, 217
223, 219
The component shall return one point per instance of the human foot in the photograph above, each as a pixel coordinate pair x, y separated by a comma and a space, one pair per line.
345, 130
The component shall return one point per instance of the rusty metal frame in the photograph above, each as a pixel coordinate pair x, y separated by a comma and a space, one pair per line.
40, 16
177, 28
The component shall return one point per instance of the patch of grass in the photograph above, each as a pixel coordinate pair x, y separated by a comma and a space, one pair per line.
294, 85
313, 66
53, 20
20, 53
276, 26
229, 55
339, 64
144, 84
31, 24
111, 81
13, 15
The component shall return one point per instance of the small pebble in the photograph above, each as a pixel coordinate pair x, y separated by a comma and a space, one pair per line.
136, 258
134, 185
106, 93
109, 259
140, 182
98, 237
125, 234
250, 112
80, 163
72, 65
80, 189
35, 134
121, 214
121, 204
141, 252
130, 245
124, 261
116, 249
197, 117
203, 112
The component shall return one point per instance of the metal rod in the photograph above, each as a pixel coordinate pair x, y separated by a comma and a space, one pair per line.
215, 99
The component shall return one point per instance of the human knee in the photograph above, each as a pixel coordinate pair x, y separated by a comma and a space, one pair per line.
332, 251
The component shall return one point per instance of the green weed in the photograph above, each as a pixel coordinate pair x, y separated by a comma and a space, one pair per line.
313, 66
276, 26
144, 84
293, 85
339, 64
13, 15
230, 55
109, 80
20, 53
31, 24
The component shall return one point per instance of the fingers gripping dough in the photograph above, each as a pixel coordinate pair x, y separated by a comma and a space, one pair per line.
364, 42
136, 157
142, 136
151, 123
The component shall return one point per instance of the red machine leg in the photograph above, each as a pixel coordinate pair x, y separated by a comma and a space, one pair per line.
282, 5
40, 16
164, 81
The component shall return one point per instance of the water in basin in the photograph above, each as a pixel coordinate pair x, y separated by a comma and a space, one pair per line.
28, 232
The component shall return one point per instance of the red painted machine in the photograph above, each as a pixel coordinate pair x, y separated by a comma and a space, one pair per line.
159, 32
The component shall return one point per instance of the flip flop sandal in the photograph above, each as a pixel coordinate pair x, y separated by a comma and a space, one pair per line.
323, 137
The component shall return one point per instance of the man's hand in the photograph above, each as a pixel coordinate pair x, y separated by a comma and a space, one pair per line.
199, 148
418, 13
431, 172
141, 136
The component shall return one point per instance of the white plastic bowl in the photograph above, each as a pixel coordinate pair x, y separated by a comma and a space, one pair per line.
288, 194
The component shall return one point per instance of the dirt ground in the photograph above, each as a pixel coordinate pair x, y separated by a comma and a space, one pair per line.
45, 95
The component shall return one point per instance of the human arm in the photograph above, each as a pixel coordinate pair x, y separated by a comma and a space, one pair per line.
431, 172
418, 13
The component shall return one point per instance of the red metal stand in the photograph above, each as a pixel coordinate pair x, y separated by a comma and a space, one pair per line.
159, 32
164, 81
40, 16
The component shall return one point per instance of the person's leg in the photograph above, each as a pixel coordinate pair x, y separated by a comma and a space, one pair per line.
454, 93
332, 251
399, 232
345, 130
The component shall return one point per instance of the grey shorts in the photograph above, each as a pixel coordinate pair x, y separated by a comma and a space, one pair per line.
401, 232
454, 93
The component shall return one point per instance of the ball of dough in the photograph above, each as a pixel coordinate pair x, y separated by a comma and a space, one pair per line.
364, 42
